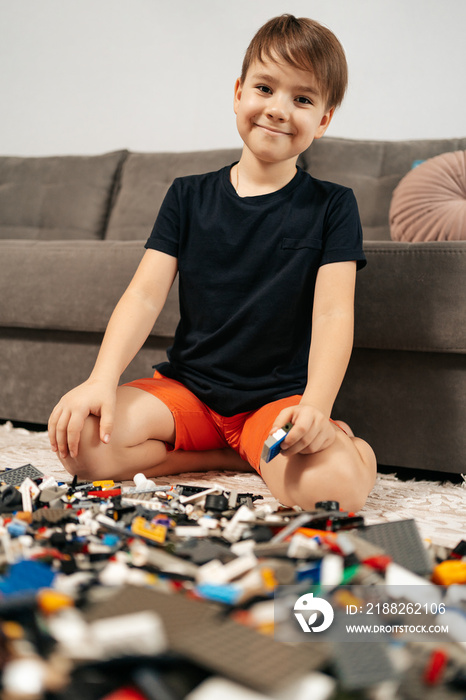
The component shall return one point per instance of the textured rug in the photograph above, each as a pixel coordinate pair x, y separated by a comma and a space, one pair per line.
438, 508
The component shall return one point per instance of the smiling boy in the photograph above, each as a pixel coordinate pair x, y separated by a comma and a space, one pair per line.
267, 260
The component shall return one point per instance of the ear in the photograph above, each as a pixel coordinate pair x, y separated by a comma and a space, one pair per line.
324, 123
238, 92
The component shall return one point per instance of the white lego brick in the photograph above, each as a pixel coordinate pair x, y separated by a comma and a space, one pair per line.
50, 481
29, 492
263, 612
199, 496
301, 547
401, 582
215, 688
237, 567
138, 634
331, 570
191, 531
238, 524
209, 522
141, 482
317, 686
142, 554
216, 572
24, 677
208, 572
243, 547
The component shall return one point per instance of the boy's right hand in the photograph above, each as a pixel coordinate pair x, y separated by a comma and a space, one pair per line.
67, 418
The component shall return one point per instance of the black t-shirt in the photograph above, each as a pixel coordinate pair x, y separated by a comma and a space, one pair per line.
247, 271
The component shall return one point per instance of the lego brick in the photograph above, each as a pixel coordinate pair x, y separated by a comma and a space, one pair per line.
26, 576
197, 631
16, 476
273, 443
361, 665
401, 540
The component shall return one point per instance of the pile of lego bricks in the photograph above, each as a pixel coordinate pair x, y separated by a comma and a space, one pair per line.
154, 592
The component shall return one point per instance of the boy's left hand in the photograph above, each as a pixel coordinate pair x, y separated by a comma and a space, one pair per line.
311, 432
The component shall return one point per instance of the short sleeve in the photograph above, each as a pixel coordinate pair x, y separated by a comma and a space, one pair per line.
343, 231
166, 232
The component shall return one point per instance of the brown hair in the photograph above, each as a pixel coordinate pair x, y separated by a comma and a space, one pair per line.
305, 44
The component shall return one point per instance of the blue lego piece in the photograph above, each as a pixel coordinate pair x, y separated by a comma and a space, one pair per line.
110, 540
17, 527
26, 576
273, 443
223, 593
310, 571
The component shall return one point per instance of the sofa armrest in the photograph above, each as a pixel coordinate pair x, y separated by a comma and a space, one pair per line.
412, 296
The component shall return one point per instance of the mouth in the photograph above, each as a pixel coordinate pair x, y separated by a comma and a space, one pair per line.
272, 132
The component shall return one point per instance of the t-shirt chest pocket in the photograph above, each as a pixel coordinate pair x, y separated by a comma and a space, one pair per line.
301, 244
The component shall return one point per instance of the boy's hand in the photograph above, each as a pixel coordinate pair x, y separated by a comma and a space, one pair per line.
311, 431
67, 418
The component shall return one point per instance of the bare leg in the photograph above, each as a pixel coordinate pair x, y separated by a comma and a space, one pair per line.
143, 424
344, 472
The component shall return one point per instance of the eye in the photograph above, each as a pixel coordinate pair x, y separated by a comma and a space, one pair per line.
304, 100
263, 88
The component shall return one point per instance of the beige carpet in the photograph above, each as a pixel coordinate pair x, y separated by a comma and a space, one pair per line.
438, 508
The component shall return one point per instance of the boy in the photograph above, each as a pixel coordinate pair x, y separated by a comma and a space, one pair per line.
265, 254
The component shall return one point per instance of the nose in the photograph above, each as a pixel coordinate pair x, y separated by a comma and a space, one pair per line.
277, 108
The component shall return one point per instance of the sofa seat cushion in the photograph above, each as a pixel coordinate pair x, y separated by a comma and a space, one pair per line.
62, 197
429, 204
145, 180
70, 285
412, 296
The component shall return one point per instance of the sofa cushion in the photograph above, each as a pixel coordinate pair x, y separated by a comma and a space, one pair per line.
145, 180
62, 197
71, 285
372, 169
412, 296
429, 204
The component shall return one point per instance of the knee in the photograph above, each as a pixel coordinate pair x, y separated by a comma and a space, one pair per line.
345, 475
88, 462
79, 467
350, 495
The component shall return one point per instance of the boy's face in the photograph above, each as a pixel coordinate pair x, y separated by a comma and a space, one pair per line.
279, 110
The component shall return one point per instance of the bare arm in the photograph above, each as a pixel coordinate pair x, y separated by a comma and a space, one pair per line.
134, 315
128, 328
332, 334
331, 344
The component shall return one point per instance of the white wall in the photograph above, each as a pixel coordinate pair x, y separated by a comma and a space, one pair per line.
89, 76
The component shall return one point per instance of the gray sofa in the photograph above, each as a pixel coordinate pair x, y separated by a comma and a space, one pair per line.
71, 235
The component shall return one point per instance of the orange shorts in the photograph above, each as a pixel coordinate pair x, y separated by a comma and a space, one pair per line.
199, 428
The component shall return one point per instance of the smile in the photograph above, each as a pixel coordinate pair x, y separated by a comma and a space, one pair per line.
273, 132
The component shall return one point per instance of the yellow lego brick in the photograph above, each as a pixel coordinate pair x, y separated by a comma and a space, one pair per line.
268, 578
142, 527
105, 484
449, 571
343, 598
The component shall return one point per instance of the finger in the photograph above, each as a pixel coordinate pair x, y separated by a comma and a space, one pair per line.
74, 429
319, 438
284, 417
52, 427
62, 433
300, 435
106, 423
317, 445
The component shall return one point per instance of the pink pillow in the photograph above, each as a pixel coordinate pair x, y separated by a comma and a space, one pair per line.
429, 203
